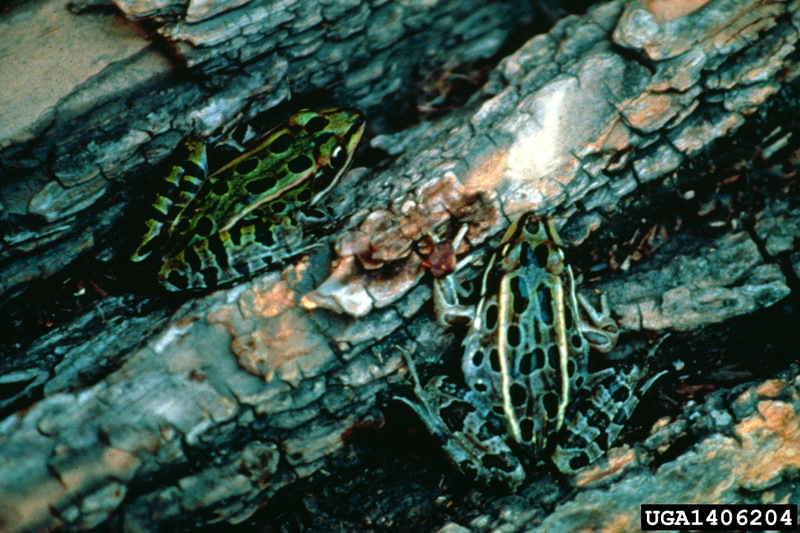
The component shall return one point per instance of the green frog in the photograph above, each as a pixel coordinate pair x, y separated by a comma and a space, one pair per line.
219, 228
529, 391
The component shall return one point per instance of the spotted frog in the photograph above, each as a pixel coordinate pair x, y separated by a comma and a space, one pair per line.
529, 391
216, 229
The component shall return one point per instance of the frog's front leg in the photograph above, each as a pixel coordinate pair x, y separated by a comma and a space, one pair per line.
468, 431
447, 291
600, 330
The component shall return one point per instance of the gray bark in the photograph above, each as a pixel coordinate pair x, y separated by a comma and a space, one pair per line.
143, 416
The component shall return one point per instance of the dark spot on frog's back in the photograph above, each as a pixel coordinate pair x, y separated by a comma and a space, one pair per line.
260, 186
299, 164
525, 255
553, 357
518, 395
281, 144
541, 254
316, 124
567, 317
521, 291
513, 336
572, 440
233, 237
538, 354
494, 360
550, 402
469, 470
545, 299
526, 429
247, 166
204, 227
525, 363
220, 187
577, 341
490, 317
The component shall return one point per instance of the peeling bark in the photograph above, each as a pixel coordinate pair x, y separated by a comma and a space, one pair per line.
141, 416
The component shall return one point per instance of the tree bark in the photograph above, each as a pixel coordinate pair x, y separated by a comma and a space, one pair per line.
653, 132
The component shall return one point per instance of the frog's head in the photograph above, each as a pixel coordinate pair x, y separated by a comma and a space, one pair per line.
332, 135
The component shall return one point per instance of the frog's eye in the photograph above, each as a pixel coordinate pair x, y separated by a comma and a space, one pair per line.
338, 157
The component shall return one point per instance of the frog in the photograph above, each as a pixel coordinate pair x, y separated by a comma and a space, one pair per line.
527, 392
215, 229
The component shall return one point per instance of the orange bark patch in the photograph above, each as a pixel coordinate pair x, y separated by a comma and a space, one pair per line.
771, 388
616, 460
274, 301
771, 443
121, 462
275, 340
488, 174
283, 347
665, 10
617, 136
650, 110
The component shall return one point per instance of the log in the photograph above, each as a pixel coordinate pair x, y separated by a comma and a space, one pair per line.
146, 410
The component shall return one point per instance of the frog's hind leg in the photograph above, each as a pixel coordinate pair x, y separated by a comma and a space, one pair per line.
178, 188
253, 244
597, 416
470, 434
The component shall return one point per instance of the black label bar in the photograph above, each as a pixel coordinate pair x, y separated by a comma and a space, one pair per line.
775, 517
